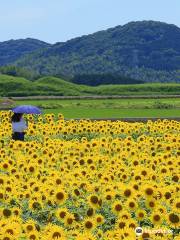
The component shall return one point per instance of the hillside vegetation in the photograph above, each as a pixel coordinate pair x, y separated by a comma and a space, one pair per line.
12, 50
47, 86
148, 51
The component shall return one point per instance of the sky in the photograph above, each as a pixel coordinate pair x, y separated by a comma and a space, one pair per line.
60, 20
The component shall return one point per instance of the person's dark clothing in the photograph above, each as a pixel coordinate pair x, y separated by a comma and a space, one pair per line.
18, 136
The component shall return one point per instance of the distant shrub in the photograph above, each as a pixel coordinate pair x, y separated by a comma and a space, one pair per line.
101, 79
160, 105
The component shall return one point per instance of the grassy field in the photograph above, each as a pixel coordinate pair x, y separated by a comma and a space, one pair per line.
114, 113
94, 108
105, 103
109, 108
48, 86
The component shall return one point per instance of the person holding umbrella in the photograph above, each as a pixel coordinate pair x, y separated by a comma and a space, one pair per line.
19, 125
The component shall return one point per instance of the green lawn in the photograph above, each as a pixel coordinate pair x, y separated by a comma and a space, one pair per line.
105, 103
114, 113
109, 108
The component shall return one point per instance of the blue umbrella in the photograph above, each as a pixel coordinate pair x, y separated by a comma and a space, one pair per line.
29, 109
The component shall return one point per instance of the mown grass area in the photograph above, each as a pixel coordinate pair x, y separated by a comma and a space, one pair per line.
114, 113
48, 86
109, 108
161, 103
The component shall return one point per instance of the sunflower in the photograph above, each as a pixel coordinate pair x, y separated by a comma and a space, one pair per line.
173, 219
149, 191
2, 195
8, 236
99, 234
161, 209
131, 204
90, 212
156, 218
132, 224
89, 224
35, 205
124, 215
151, 203
99, 219
117, 207
85, 236
145, 236
54, 232
128, 192
6, 212
33, 235
93, 201
61, 214
176, 205
12, 228
127, 233
140, 214
120, 224
29, 226
69, 220
60, 196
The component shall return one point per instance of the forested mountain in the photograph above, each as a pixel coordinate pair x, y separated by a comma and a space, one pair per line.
145, 50
12, 50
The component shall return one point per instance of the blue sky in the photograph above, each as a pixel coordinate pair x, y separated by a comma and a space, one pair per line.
60, 20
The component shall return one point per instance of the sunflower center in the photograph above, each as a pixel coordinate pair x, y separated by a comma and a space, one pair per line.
118, 207
156, 218
60, 196
173, 218
122, 225
56, 234
6, 212
94, 199
62, 214
88, 224
127, 193
149, 191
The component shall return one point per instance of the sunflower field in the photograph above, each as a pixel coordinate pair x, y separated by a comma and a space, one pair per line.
89, 180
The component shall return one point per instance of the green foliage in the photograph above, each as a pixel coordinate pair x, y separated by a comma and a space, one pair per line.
160, 105
139, 89
17, 72
12, 50
99, 79
146, 51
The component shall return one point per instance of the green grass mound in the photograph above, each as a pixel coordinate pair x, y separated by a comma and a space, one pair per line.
48, 86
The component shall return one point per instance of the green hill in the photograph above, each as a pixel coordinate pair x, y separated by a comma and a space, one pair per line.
15, 86
12, 50
145, 50
57, 86
47, 86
